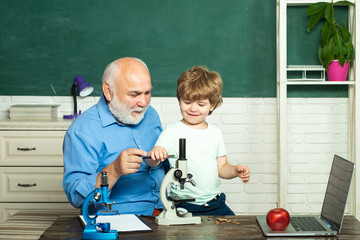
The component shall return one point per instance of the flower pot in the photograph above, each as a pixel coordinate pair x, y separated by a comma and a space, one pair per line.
336, 72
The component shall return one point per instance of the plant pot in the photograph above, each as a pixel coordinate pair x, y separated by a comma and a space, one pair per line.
336, 72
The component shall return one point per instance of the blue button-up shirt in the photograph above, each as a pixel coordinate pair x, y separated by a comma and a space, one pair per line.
93, 141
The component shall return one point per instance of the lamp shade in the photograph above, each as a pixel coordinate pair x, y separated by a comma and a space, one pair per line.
84, 88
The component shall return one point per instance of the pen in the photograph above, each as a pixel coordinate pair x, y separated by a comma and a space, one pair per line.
148, 157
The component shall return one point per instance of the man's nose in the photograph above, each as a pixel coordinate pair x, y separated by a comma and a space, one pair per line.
143, 101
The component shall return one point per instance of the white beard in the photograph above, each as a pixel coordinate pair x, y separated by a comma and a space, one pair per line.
122, 112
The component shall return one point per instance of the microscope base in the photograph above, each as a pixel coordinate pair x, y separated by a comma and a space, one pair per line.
112, 234
176, 220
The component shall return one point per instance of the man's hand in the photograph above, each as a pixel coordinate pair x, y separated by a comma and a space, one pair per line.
128, 162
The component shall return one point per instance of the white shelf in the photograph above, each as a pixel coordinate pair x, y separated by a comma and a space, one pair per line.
283, 81
321, 83
304, 76
308, 2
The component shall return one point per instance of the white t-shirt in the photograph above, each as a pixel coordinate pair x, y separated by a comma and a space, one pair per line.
202, 149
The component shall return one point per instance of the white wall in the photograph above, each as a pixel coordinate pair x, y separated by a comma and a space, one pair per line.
317, 129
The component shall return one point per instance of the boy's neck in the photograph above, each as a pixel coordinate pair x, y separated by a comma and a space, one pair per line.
200, 126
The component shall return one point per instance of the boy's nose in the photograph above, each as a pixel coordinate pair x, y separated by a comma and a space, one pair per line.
192, 107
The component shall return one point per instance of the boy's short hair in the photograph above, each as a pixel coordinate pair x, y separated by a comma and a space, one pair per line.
198, 83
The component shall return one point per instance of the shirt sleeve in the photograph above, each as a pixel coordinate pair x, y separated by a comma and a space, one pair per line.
80, 167
222, 148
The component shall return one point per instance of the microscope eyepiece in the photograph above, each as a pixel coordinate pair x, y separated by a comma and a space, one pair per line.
182, 149
104, 179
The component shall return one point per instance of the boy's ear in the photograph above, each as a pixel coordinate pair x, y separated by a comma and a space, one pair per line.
212, 109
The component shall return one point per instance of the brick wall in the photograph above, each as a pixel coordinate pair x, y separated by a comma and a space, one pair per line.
317, 129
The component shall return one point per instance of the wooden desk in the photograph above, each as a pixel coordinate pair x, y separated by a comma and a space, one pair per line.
66, 225
69, 227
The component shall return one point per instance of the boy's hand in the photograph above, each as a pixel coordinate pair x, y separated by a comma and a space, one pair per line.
158, 154
243, 172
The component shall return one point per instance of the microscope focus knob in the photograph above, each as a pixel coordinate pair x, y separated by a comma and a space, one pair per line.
97, 196
178, 173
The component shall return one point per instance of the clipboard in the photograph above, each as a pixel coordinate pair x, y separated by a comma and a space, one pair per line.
122, 222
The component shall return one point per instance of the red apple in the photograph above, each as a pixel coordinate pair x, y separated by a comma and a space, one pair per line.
278, 219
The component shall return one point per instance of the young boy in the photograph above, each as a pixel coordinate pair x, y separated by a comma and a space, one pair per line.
199, 93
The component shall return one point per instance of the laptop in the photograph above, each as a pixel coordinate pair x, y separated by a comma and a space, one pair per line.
332, 213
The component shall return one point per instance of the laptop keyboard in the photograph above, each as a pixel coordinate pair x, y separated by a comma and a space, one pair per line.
306, 224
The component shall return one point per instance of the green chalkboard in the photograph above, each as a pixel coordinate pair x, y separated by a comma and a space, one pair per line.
44, 44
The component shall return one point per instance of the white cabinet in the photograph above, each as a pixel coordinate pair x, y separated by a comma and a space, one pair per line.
31, 148
32, 184
31, 166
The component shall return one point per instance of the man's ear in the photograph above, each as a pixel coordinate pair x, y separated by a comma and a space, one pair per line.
107, 92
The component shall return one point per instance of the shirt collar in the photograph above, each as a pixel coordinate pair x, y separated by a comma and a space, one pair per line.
104, 113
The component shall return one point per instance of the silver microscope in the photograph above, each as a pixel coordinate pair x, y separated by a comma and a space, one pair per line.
176, 176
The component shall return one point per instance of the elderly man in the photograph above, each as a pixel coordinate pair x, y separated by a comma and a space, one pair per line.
113, 136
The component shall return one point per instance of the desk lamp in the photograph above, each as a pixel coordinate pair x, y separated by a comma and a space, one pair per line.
84, 90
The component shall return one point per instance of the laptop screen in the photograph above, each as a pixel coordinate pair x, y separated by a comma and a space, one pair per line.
337, 192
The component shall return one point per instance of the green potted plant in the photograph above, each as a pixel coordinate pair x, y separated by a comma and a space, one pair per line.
336, 48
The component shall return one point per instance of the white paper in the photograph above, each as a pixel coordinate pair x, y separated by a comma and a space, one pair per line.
121, 222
